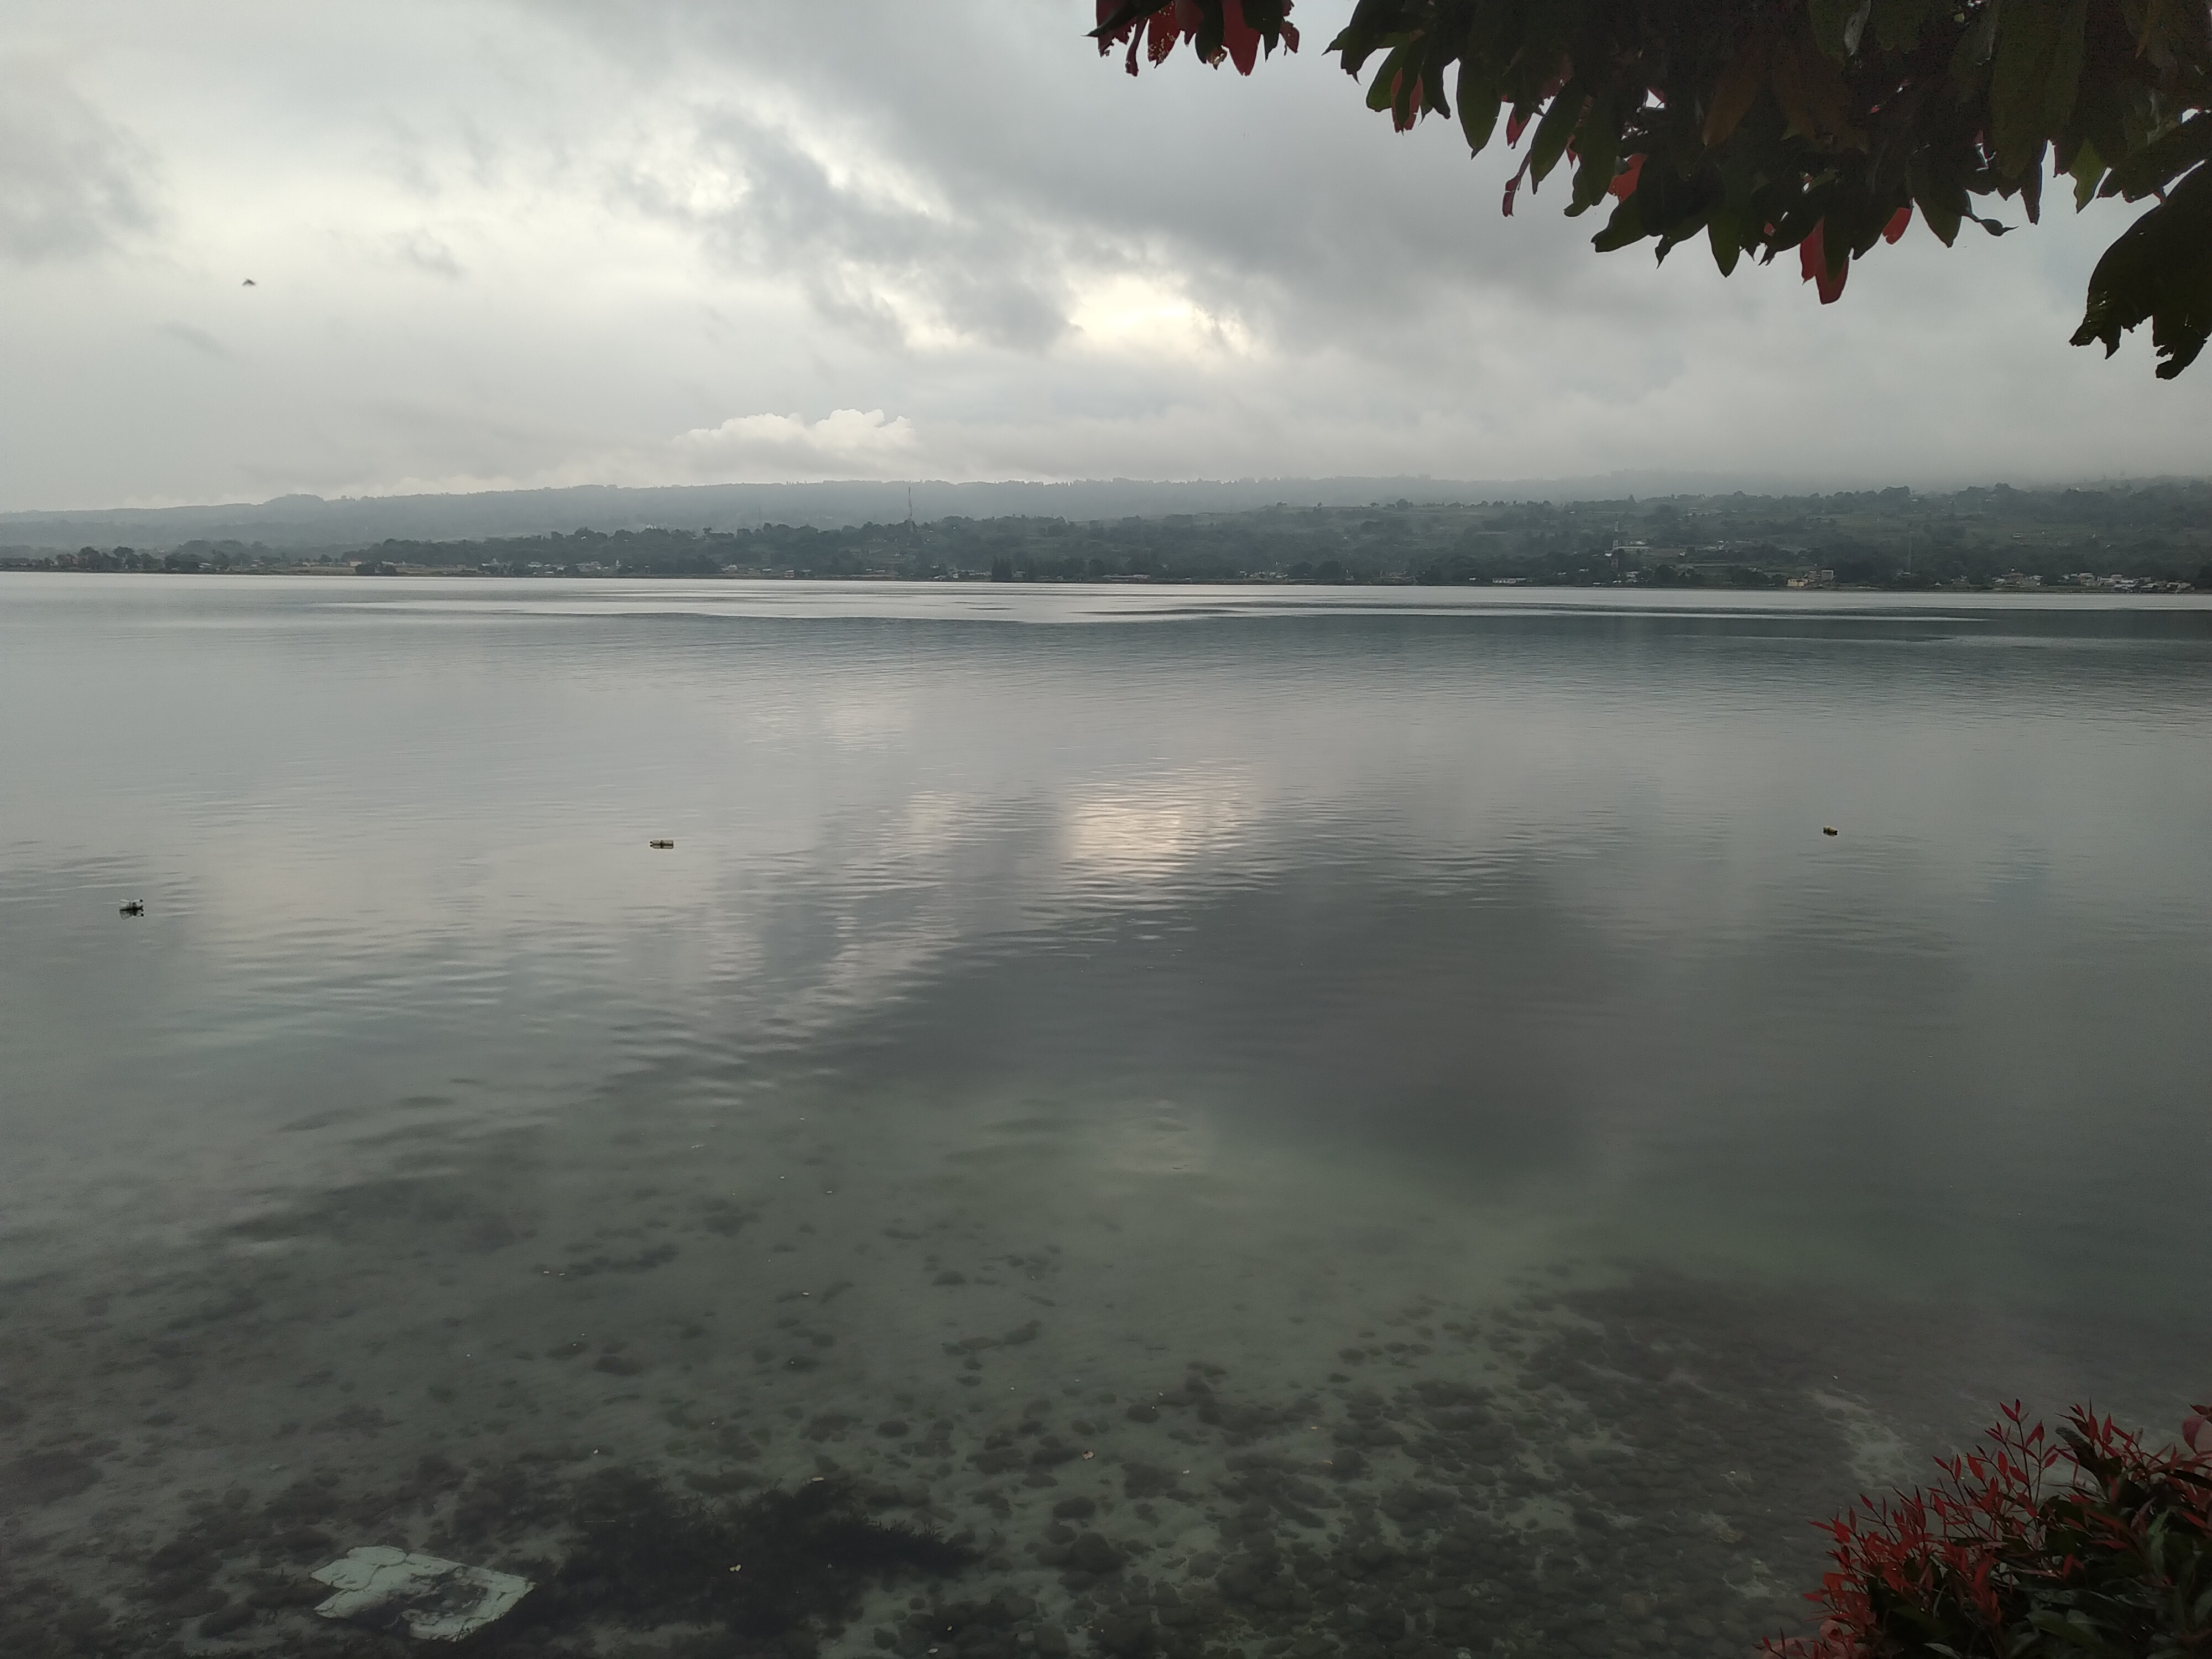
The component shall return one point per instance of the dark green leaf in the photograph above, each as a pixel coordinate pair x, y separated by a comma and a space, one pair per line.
1598, 156
1385, 87
1830, 20
2077, 1631
1897, 23
1478, 105
1972, 54
2036, 76
2158, 163
1730, 228
1556, 131
1127, 12
1625, 226
2159, 271
2088, 171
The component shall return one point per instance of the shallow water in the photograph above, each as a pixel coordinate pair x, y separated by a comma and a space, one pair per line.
1391, 1097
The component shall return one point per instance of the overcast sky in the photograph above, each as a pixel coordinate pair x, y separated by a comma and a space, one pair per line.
499, 244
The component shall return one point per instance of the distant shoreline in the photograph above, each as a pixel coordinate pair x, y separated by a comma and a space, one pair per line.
2151, 538
2126, 587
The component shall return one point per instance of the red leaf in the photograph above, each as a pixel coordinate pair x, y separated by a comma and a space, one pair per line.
1160, 35
1412, 102
1512, 189
1812, 266
1812, 260
1624, 182
1239, 36
1516, 125
1899, 223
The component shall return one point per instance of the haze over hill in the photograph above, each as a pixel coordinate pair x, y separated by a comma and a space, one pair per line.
1390, 530
309, 524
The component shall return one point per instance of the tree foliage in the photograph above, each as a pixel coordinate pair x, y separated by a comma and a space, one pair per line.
2088, 1542
1820, 126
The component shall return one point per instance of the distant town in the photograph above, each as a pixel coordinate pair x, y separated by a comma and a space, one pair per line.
2145, 538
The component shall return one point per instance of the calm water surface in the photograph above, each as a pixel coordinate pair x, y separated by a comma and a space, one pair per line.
1384, 1108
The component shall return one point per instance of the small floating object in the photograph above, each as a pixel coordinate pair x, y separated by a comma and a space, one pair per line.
1827, 829
430, 1599
135, 907
665, 844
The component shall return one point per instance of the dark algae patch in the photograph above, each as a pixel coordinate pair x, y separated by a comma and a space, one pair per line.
768, 1574
616, 1559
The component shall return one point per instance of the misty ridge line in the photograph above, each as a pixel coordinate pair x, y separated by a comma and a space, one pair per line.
2155, 538
302, 523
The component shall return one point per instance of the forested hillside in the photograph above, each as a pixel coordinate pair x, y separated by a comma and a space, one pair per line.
1892, 538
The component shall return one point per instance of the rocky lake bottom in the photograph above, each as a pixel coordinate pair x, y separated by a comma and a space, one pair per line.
977, 1432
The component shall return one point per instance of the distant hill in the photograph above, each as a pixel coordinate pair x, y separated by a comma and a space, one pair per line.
2129, 538
309, 524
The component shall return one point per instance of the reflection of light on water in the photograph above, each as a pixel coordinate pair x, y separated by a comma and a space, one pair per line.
863, 722
932, 823
1159, 833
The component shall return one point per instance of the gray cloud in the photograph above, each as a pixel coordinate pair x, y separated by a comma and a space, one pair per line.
703, 241
427, 253
1279, 195
198, 339
72, 183
871, 259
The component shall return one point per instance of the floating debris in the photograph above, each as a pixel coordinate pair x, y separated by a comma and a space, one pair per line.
431, 1599
1827, 829
664, 845
135, 908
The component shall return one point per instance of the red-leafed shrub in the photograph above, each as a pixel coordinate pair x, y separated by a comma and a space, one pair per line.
2087, 1543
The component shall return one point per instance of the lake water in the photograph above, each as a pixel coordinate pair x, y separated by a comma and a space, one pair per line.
1288, 1121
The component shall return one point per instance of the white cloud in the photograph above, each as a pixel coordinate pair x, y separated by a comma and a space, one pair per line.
1130, 311
846, 443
